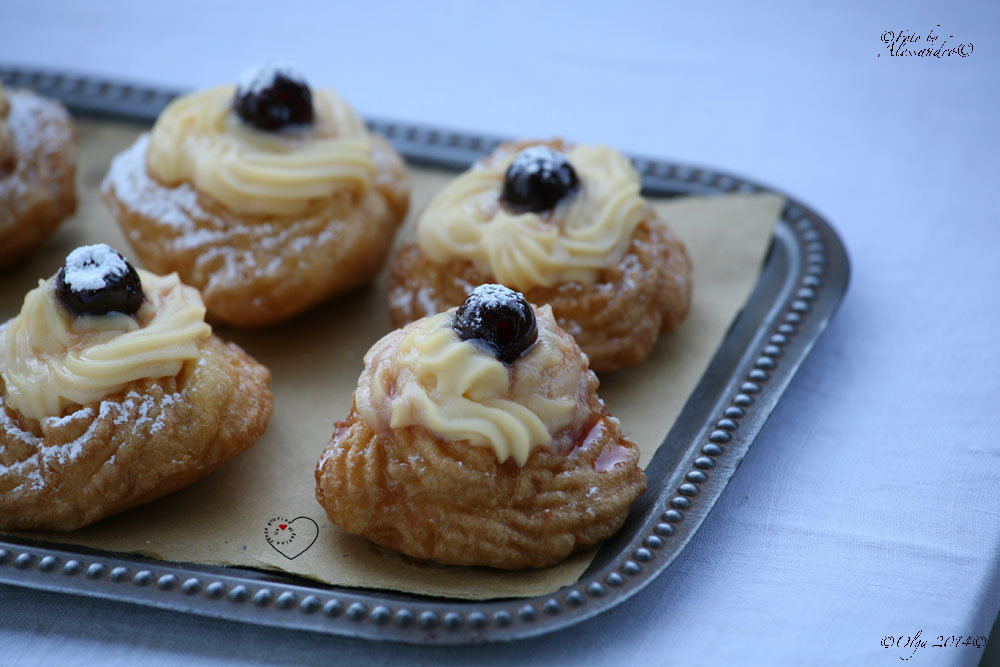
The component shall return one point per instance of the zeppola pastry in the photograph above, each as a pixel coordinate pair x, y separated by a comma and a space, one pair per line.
114, 392
566, 225
37, 171
268, 197
477, 438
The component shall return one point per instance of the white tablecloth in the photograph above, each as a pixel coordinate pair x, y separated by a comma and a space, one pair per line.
868, 505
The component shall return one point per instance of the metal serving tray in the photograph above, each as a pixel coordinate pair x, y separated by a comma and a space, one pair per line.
802, 283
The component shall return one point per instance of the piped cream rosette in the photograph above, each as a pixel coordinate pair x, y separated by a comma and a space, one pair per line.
50, 358
588, 231
198, 139
425, 375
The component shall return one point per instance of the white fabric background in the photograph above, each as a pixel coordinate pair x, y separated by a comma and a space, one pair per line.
868, 505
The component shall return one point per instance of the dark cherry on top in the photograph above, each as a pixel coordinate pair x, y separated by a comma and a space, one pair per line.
279, 101
537, 180
498, 317
121, 291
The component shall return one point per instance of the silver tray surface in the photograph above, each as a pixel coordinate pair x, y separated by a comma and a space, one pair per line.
802, 282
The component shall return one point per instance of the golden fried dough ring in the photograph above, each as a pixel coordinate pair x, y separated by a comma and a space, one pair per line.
148, 440
455, 504
258, 270
616, 320
37, 172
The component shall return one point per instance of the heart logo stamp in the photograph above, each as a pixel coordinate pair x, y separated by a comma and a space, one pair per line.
291, 537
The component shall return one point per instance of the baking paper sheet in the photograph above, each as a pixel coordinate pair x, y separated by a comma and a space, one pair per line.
316, 359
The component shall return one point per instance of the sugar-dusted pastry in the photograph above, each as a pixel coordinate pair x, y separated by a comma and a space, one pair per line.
268, 197
477, 438
37, 171
563, 223
114, 392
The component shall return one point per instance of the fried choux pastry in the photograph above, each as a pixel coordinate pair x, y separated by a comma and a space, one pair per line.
268, 197
114, 392
37, 171
477, 438
569, 229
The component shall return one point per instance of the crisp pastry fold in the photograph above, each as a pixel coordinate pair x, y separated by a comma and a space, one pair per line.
616, 314
403, 481
37, 171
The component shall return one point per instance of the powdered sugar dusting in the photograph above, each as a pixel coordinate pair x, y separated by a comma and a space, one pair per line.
425, 297
89, 267
142, 408
14, 431
40, 132
224, 249
69, 451
488, 297
492, 295
260, 77
137, 412
127, 175
539, 159
59, 422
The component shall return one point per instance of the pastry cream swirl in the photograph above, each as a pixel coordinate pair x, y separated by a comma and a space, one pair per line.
425, 375
50, 358
198, 139
588, 231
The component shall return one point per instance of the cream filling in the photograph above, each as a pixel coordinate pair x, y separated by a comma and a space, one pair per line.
50, 358
198, 139
425, 375
585, 233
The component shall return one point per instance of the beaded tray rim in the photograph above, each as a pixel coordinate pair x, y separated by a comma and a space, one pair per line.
803, 281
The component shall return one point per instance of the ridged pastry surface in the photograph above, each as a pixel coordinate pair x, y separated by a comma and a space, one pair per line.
256, 270
453, 503
616, 320
37, 171
423, 491
149, 439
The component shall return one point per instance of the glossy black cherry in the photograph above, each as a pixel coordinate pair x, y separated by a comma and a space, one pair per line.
97, 280
537, 180
270, 98
498, 317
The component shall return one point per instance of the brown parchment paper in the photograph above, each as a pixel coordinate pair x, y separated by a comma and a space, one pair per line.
316, 359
